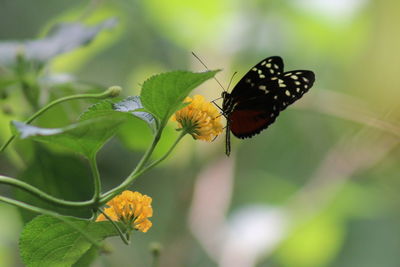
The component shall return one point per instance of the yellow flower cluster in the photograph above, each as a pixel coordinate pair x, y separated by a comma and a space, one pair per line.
200, 119
130, 208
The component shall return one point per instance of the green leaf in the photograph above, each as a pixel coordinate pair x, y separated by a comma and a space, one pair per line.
62, 38
87, 258
95, 126
163, 94
130, 105
133, 103
47, 241
85, 137
102, 108
63, 176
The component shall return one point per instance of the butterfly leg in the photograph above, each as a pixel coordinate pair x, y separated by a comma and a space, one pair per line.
216, 105
228, 140
217, 135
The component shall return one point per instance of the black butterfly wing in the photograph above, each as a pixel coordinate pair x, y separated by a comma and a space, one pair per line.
255, 112
292, 85
258, 75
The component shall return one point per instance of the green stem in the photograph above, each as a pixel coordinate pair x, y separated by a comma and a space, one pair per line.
156, 162
50, 213
44, 196
155, 261
110, 194
155, 249
110, 92
141, 168
121, 234
96, 178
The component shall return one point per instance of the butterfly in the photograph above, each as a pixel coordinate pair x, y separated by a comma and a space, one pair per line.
259, 97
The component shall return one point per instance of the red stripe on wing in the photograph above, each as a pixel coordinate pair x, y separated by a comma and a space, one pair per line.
246, 123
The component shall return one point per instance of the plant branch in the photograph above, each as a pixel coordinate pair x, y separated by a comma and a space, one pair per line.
141, 167
42, 195
156, 162
110, 194
96, 179
121, 234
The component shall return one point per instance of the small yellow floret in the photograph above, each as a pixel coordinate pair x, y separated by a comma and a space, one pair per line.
131, 208
200, 119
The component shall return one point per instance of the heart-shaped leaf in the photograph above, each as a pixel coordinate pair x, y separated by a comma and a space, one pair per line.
47, 241
164, 93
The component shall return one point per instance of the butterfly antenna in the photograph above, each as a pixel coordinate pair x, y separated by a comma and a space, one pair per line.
208, 70
233, 75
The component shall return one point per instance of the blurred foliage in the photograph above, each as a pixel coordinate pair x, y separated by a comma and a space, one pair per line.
329, 163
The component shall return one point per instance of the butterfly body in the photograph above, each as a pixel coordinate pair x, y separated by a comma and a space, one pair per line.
259, 97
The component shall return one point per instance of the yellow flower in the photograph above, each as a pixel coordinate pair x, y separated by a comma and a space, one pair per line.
200, 119
131, 208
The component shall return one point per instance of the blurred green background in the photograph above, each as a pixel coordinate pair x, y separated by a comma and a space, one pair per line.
319, 188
